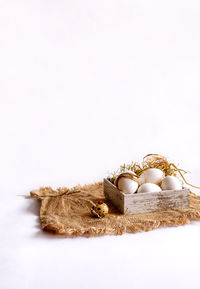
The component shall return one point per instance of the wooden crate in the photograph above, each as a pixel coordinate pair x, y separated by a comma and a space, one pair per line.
146, 202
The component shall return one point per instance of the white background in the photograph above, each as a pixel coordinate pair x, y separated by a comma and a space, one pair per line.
84, 87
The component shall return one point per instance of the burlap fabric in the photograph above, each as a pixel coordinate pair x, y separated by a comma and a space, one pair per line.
67, 212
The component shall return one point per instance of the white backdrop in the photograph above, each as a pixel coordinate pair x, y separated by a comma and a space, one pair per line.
84, 87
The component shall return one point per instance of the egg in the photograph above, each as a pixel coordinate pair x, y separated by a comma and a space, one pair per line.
149, 188
151, 175
127, 183
171, 183
99, 210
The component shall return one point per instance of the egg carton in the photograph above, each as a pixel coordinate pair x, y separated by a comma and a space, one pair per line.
146, 202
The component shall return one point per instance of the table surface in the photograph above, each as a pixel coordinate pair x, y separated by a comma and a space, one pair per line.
86, 86
31, 258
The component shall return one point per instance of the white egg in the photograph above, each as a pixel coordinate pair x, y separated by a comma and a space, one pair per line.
148, 188
151, 175
127, 185
171, 183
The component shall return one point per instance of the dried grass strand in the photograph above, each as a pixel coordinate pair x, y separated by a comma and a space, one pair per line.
178, 170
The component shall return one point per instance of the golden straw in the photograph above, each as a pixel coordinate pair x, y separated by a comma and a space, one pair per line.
171, 164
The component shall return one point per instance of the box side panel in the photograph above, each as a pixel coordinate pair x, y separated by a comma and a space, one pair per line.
114, 195
161, 201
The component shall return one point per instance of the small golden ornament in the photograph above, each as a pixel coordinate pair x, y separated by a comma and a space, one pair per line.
99, 210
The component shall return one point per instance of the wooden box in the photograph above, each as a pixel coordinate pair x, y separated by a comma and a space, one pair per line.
146, 202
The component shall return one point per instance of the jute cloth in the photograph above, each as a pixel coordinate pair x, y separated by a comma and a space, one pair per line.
67, 212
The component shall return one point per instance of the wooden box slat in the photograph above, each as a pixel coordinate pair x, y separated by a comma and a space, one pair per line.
146, 202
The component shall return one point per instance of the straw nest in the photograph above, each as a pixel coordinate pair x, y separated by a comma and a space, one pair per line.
149, 161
